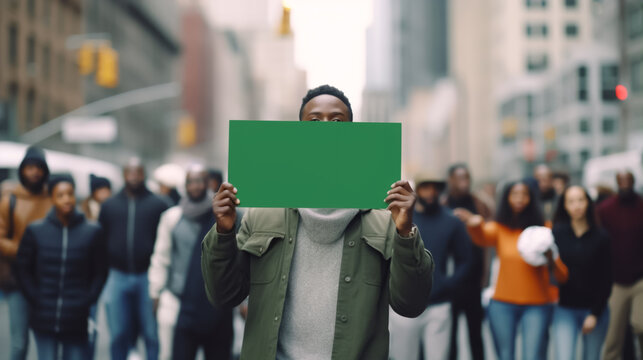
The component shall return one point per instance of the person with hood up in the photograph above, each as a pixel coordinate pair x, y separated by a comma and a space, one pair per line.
26, 203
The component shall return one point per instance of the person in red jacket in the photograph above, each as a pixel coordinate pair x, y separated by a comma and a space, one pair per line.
622, 217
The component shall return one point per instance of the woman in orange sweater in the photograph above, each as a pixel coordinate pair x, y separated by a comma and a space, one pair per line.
524, 294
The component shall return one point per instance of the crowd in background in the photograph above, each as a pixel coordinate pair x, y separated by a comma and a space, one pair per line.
570, 266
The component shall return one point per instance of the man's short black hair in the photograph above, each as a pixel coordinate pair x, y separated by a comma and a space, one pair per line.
60, 178
326, 90
457, 166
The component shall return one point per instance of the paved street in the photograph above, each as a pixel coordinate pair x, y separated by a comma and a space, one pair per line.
102, 351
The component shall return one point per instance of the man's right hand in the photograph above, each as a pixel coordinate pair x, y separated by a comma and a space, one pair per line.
224, 206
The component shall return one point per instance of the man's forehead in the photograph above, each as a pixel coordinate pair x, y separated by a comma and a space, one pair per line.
325, 102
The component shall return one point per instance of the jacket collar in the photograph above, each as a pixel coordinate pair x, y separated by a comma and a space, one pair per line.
144, 192
21, 192
76, 217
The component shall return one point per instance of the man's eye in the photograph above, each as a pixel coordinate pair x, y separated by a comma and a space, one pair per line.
336, 120
314, 119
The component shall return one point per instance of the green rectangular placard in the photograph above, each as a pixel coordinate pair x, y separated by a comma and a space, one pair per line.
297, 164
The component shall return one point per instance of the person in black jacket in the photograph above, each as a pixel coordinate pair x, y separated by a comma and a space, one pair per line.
130, 219
585, 249
444, 236
62, 268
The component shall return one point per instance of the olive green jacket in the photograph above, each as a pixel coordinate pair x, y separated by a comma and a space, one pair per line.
378, 268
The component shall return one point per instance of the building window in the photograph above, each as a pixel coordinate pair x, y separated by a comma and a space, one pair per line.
609, 125
536, 3
537, 62
13, 45
61, 18
30, 109
536, 30
571, 3
44, 112
609, 80
46, 12
584, 156
583, 91
571, 30
634, 21
31, 8
31, 50
46, 62
61, 68
636, 73
31, 56
584, 126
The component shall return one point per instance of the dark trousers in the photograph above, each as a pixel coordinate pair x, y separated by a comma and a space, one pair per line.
469, 304
217, 345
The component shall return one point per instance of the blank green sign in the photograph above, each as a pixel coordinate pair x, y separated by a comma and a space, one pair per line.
296, 164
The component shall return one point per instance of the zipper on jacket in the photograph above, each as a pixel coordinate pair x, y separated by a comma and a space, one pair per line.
131, 215
61, 282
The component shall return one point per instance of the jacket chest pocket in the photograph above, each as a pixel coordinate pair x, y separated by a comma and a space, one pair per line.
266, 255
374, 260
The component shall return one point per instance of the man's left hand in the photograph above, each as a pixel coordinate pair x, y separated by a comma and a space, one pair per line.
401, 200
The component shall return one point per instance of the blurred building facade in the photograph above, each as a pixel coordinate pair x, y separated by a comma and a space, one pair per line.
470, 49
630, 16
251, 74
145, 35
407, 66
38, 75
563, 117
554, 84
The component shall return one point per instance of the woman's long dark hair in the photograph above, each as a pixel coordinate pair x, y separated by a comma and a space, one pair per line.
562, 216
531, 216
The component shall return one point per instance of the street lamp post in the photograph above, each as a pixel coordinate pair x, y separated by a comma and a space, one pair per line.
103, 106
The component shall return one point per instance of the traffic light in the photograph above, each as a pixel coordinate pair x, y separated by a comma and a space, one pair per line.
621, 92
85, 58
186, 134
107, 67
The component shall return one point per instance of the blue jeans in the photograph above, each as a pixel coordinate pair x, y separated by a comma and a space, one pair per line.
18, 324
534, 321
93, 332
52, 348
128, 307
567, 325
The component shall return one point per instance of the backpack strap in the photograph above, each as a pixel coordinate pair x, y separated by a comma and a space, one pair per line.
12, 206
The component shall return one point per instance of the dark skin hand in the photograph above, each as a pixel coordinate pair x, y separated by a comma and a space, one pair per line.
400, 199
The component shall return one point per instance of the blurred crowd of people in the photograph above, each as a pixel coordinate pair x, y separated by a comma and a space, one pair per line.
135, 250
139, 253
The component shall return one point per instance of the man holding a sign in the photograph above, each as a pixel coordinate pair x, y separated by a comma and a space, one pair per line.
319, 274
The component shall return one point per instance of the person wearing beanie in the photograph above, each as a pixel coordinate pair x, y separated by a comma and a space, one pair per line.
101, 190
25, 203
61, 268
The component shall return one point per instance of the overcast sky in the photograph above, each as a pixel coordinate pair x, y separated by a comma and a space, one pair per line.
330, 43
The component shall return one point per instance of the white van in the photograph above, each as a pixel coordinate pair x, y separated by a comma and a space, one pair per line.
602, 170
12, 153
